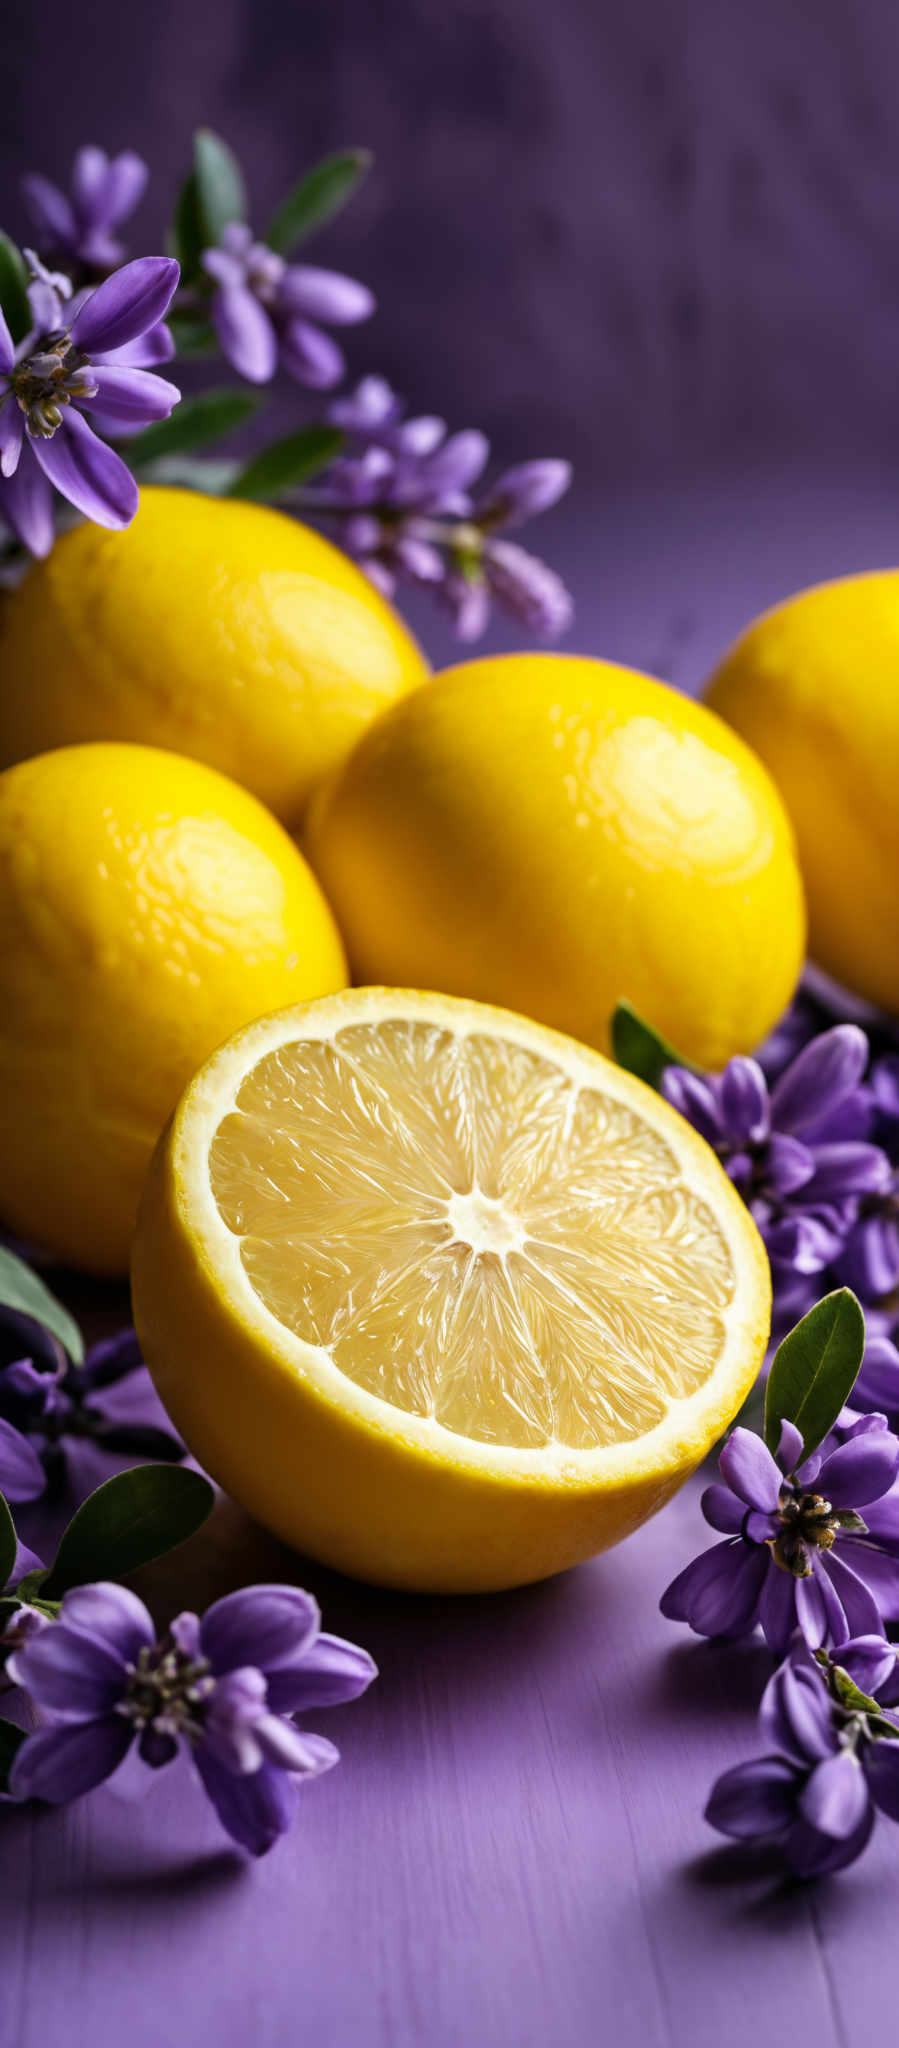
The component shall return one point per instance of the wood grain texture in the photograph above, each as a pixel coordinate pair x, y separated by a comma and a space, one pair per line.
512, 1852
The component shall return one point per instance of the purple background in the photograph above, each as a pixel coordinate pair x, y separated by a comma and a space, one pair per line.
663, 240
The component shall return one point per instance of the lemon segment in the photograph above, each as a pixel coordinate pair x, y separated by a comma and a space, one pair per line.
439, 1295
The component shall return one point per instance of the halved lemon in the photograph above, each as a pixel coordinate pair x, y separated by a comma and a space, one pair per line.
442, 1297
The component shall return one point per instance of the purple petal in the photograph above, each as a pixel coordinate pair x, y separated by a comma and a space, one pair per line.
835, 1797
12, 430
265, 1626
777, 1609
255, 1809
126, 304
524, 490
795, 1711
470, 604
811, 1854
458, 463
869, 1261
156, 346
718, 1594
24, 1561
306, 1756
114, 1614
49, 209
324, 295
7, 355
863, 1616
420, 559
880, 1573
789, 1165
310, 356
72, 1676
819, 1077
134, 397
232, 1718
26, 503
848, 1169
807, 1243
861, 1470
754, 1799
818, 1611
747, 1467
695, 1100
93, 477
877, 1385
528, 587
22, 1476
789, 1448
870, 1662
722, 1509
58, 1764
881, 1767
331, 1673
245, 332
106, 192
743, 1095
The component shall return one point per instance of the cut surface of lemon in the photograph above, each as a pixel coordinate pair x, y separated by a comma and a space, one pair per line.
438, 1294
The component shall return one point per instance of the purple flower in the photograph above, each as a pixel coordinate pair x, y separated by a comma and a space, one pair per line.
811, 1544
401, 500
266, 311
93, 353
799, 1152
55, 1417
77, 228
20, 1622
224, 1689
833, 1759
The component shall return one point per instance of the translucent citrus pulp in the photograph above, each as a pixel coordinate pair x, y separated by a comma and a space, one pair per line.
440, 1295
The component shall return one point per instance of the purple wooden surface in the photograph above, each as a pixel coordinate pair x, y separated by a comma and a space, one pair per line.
512, 1850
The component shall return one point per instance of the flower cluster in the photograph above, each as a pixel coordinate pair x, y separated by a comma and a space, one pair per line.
399, 494
401, 498
814, 1151
811, 1555
223, 1691
56, 1417
94, 351
831, 1762
269, 313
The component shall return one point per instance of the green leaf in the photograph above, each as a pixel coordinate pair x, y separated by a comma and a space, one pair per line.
288, 462
317, 198
191, 473
22, 1290
221, 193
815, 1370
13, 295
8, 1544
636, 1046
212, 195
194, 423
192, 335
129, 1521
849, 1694
11, 1739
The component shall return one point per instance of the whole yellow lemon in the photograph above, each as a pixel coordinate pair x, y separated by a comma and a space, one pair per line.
147, 908
555, 834
211, 627
814, 687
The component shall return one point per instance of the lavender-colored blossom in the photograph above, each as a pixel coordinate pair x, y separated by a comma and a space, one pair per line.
800, 1152
809, 1543
94, 353
63, 1421
76, 227
401, 499
224, 1688
268, 312
19, 1622
832, 1759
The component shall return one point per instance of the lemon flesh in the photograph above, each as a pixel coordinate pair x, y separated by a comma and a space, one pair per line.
442, 1296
